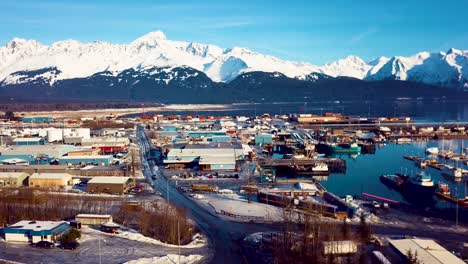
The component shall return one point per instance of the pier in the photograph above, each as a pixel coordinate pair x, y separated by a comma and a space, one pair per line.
334, 165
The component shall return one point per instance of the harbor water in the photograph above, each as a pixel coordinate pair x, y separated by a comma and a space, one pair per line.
363, 171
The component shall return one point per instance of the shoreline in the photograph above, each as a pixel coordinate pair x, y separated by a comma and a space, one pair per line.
122, 111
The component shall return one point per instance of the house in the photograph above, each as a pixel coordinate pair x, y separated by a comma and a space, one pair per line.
93, 219
13, 179
50, 180
110, 184
28, 141
35, 231
428, 251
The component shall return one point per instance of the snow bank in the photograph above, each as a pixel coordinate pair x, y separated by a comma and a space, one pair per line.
168, 259
198, 240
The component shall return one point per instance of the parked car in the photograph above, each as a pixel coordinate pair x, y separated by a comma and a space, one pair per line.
71, 245
44, 244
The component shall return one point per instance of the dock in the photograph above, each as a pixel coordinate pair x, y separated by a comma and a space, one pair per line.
335, 165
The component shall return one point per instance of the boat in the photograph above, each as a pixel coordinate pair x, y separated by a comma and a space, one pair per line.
345, 148
443, 188
452, 171
385, 129
419, 186
432, 151
320, 168
404, 140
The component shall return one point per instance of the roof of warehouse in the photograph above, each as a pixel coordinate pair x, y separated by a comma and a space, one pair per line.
109, 179
428, 251
33, 139
35, 150
36, 225
87, 157
49, 175
217, 160
12, 174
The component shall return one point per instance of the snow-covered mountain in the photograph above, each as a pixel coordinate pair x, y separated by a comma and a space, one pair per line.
23, 61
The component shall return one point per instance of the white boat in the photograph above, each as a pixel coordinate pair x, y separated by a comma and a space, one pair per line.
385, 129
403, 140
320, 167
433, 150
452, 171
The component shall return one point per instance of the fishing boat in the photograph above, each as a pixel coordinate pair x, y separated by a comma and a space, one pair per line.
320, 168
432, 151
420, 185
345, 148
404, 140
452, 171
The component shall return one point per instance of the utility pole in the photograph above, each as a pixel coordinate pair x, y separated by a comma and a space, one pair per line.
456, 212
178, 235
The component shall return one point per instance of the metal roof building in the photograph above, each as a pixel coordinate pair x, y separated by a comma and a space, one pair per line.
428, 251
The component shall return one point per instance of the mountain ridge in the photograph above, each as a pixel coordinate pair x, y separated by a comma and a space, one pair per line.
74, 59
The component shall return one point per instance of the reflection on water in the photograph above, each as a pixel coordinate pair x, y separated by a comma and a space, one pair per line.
363, 172
422, 110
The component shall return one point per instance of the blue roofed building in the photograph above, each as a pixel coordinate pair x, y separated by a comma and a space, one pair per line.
28, 141
37, 119
35, 231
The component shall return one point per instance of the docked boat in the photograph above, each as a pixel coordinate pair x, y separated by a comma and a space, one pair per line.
345, 148
320, 168
432, 151
452, 171
404, 140
419, 186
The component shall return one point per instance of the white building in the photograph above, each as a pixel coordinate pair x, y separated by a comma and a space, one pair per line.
35, 231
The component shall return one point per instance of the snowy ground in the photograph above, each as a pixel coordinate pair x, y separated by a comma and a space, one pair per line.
235, 208
130, 234
169, 259
110, 248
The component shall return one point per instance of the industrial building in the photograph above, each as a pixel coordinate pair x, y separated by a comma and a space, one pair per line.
50, 180
34, 231
107, 145
110, 184
205, 134
262, 139
428, 251
77, 160
34, 154
13, 179
207, 157
93, 219
28, 141
37, 119
84, 152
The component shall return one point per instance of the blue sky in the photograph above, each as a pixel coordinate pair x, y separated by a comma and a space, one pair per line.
310, 31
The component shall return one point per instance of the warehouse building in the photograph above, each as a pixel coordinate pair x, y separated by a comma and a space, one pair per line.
110, 184
34, 231
205, 134
28, 141
35, 154
93, 219
84, 152
77, 160
207, 157
37, 119
428, 251
262, 139
50, 180
13, 179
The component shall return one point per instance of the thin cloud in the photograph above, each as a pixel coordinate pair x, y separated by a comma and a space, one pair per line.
361, 36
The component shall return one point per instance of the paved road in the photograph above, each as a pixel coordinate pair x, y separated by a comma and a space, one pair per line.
113, 250
225, 236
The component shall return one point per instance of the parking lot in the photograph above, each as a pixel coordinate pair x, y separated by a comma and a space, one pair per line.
95, 245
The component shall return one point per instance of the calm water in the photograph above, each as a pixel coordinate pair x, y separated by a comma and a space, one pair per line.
422, 110
363, 172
